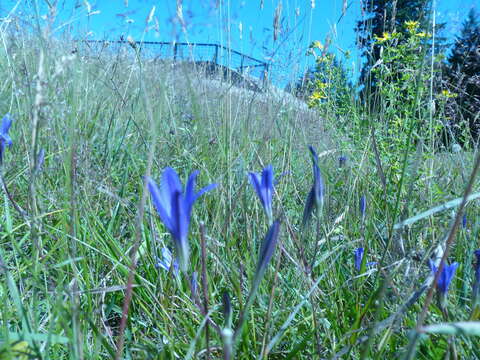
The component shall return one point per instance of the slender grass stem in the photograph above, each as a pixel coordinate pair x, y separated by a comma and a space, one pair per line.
139, 218
205, 285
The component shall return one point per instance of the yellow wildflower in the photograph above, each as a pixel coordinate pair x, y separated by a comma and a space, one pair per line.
448, 94
325, 58
317, 95
321, 85
411, 25
423, 34
317, 45
385, 37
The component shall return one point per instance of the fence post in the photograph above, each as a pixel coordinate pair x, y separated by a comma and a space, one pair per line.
265, 74
241, 64
215, 57
175, 52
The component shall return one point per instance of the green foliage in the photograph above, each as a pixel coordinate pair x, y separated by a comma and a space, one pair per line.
327, 86
383, 18
63, 271
462, 73
402, 81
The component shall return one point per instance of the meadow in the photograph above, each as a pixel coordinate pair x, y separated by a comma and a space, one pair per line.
315, 237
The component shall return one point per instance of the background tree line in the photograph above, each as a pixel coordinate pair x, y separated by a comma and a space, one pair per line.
395, 39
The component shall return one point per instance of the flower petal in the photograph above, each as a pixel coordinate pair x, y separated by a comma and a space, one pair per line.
2, 150
170, 184
358, 258
267, 187
5, 125
155, 193
6, 139
267, 248
309, 206
450, 273
445, 277
167, 256
205, 189
256, 183
267, 177
190, 195
180, 223
318, 184
363, 205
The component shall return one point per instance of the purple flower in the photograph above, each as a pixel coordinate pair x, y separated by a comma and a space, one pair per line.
167, 261
316, 195
266, 252
194, 284
267, 249
4, 137
464, 221
476, 284
358, 258
174, 206
477, 266
358, 255
445, 277
227, 309
263, 186
40, 159
363, 206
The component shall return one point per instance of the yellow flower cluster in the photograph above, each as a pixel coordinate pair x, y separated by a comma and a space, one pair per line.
448, 94
316, 45
412, 26
325, 58
321, 85
317, 95
385, 37
423, 34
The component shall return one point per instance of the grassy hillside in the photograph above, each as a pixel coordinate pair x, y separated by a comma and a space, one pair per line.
70, 225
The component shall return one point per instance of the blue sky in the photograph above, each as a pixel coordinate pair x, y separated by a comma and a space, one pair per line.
244, 25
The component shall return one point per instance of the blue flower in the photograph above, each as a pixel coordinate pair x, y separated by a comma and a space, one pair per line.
445, 277
476, 284
227, 309
40, 159
194, 284
267, 249
342, 160
464, 220
4, 137
167, 261
477, 266
363, 206
358, 258
316, 195
174, 206
264, 188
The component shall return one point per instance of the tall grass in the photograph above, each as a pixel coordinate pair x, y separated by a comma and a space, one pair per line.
70, 231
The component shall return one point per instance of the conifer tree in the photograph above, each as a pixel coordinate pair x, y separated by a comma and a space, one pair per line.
381, 17
463, 75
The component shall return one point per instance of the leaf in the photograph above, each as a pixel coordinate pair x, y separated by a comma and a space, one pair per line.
17, 350
469, 328
434, 210
40, 337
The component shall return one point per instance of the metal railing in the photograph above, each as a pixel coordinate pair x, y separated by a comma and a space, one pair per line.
217, 54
